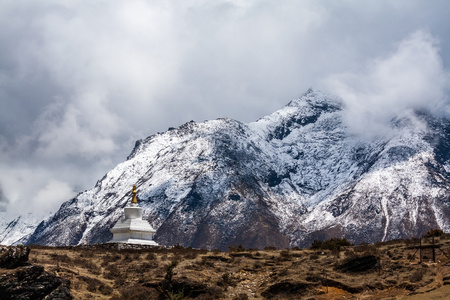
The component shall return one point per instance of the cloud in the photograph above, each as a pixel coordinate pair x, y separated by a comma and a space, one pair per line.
3, 198
49, 196
84, 127
412, 77
81, 81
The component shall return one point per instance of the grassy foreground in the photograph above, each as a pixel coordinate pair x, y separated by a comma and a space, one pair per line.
382, 271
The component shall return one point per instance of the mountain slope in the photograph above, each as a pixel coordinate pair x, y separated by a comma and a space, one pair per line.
286, 179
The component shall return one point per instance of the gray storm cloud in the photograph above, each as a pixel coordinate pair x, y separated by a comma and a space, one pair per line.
81, 81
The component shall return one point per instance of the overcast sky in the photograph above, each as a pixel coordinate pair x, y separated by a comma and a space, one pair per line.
80, 81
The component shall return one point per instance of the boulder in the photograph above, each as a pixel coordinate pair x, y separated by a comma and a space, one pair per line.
13, 256
22, 280
32, 282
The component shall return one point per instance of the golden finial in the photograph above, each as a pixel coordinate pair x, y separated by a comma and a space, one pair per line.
134, 200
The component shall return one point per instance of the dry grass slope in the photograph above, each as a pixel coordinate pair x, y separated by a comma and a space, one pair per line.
384, 270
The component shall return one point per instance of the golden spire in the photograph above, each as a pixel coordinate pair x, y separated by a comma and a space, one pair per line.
134, 199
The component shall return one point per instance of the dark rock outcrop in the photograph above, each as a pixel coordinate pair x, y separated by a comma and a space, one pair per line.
287, 290
360, 264
13, 257
21, 280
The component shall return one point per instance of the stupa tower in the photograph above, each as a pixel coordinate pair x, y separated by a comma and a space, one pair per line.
133, 230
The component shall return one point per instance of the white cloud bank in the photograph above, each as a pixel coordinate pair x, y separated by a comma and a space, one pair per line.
412, 77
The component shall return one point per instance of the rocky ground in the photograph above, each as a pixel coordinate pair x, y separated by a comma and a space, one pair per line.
22, 280
391, 270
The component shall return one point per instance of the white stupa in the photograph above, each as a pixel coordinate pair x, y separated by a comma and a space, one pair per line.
133, 230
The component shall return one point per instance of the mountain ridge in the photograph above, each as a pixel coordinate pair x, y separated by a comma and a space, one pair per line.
293, 176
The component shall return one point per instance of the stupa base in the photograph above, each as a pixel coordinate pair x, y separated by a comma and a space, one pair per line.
136, 242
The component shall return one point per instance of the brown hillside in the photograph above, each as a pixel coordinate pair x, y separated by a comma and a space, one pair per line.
381, 271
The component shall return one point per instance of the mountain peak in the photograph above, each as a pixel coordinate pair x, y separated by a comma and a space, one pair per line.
318, 99
298, 113
291, 177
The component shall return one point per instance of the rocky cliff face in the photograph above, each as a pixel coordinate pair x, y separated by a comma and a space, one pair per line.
22, 280
284, 180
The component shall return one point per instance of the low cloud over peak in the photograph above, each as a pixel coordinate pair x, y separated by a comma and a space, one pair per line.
411, 77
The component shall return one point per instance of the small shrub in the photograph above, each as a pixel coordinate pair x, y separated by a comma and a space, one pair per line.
108, 258
150, 256
176, 258
196, 267
313, 277
112, 272
241, 254
61, 258
316, 244
206, 262
170, 271
76, 285
127, 257
92, 287
217, 258
331, 244
237, 248
94, 269
314, 256
413, 241
285, 255
349, 252
191, 255
257, 265
167, 286
88, 265
34, 260
88, 296
136, 292
105, 289
434, 233
227, 280
83, 254
236, 260
270, 248
178, 247
336, 252
366, 249
92, 283
120, 281
417, 275
147, 267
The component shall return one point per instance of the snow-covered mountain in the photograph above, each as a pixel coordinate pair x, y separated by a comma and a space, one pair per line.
16, 227
284, 180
